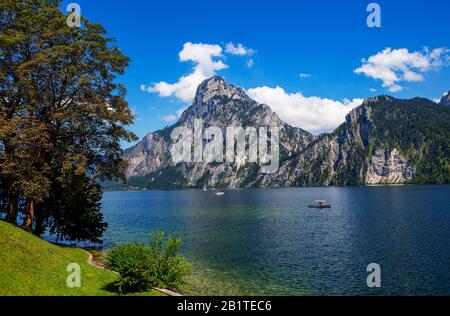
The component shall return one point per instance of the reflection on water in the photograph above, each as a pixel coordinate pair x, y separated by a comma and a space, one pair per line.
269, 242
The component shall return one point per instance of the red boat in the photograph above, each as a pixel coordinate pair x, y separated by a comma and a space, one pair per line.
320, 204
218, 192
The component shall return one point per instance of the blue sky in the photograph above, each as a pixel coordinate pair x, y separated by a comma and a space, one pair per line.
324, 40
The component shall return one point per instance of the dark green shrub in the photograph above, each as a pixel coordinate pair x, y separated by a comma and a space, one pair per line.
170, 268
143, 266
134, 264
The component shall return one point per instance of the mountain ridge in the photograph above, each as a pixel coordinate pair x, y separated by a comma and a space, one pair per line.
383, 141
220, 105
368, 148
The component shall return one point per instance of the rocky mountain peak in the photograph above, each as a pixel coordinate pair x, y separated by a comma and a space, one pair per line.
446, 99
217, 87
368, 148
222, 104
377, 99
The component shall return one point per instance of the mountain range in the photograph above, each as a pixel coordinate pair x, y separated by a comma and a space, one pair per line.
383, 141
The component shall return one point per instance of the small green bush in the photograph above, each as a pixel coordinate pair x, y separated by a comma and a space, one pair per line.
143, 266
170, 269
134, 265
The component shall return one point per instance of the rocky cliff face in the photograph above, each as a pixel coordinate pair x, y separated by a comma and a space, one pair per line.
446, 99
384, 141
389, 166
220, 105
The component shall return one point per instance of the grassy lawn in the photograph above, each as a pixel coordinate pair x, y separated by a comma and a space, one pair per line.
32, 267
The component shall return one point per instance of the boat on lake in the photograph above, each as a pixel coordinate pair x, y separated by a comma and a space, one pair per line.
218, 192
320, 204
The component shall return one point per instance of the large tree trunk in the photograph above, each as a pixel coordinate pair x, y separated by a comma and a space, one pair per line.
11, 215
39, 226
29, 217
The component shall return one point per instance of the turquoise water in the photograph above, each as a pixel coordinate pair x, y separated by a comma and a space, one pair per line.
268, 242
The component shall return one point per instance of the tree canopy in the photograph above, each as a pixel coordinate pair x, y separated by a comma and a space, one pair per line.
63, 116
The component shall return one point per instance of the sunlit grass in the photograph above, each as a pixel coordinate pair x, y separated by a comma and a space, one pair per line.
30, 266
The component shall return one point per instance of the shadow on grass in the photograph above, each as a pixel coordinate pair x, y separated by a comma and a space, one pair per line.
117, 289
112, 287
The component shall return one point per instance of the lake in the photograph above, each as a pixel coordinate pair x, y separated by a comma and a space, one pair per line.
268, 242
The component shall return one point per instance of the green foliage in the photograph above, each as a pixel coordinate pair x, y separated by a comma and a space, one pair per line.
63, 116
420, 129
170, 268
31, 266
169, 178
350, 173
252, 171
143, 266
135, 266
76, 210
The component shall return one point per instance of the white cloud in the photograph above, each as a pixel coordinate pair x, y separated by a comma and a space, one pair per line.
394, 66
239, 50
438, 100
373, 90
207, 60
169, 118
313, 114
304, 75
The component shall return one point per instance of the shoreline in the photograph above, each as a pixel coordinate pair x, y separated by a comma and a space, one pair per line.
281, 188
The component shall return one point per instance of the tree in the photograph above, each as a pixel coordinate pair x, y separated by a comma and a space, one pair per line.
66, 199
62, 118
